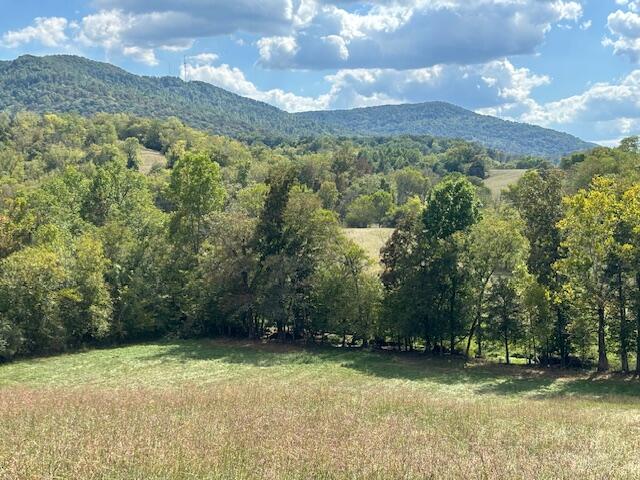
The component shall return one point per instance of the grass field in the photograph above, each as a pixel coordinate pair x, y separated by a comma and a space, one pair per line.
222, 409
499, 180
371, 240
149, 158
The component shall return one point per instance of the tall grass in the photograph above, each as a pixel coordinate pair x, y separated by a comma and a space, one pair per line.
235, 410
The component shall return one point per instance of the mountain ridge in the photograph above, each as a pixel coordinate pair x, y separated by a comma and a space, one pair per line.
68, 83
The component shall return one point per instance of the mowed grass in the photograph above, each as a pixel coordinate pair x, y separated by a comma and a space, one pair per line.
227, 409
499, 180
371, 240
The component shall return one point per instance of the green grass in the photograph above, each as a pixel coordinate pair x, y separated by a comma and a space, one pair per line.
499, 180
371, 240
230, 409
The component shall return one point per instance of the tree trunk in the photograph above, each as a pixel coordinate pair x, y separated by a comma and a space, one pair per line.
478, 316
452, 310
506, 347
624, 338
638, 341
603, 361
560, 332
638, 323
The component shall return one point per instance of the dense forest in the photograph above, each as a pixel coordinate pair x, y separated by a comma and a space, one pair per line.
63, 84
246, 240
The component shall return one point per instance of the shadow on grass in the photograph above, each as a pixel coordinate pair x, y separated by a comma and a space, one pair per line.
491, 379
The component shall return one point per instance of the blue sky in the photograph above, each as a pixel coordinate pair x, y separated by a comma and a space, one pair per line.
570, 65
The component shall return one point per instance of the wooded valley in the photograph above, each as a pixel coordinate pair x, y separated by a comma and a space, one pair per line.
222, 238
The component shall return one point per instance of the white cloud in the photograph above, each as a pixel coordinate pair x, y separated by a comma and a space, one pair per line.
143, 55
478, 86
234, 80
413, 34
205, 58
604, 110
276, 51
49, 31
625, 30
323, 34
495, 83
112, 30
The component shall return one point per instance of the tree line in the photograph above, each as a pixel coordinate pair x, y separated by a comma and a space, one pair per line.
246, 240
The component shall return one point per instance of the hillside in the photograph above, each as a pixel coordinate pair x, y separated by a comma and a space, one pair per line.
445, 120
63, 83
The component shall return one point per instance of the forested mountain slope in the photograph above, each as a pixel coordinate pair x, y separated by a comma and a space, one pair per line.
442, 119
64, 83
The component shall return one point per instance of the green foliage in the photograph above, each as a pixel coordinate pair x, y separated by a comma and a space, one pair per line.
245, 240
452, 207
64, 83
196, 190
369, 209
504, 314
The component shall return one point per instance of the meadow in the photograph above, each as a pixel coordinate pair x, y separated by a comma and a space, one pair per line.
500, 179
232, 409
371, 240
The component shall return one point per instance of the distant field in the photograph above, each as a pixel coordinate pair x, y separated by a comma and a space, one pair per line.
148, 158
236, 410
371, 240
500, 179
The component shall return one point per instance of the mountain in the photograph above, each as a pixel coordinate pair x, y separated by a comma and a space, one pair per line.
65, 83
441, 119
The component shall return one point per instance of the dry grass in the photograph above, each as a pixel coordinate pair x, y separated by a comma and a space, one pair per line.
499, 180
149, 158
371, 240
232, 410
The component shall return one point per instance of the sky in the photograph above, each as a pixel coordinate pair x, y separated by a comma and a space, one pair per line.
570, 65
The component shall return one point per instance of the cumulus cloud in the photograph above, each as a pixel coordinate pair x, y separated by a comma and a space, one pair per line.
625, 33
214, 17
49, 31
324, 34
418, 33
495, 83
604, 110
478, 86
120, 32
234, 80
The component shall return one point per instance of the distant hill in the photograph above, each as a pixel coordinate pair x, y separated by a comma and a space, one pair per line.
441, 119
65, 83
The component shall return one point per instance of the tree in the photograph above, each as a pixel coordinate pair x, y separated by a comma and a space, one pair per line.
630, 205
197, 190
329, 194
131, 147
31, 282
114, 191
345, 296
538, 199
86, 303
494, 248
589, 226
409, 182
452, 207
504, 313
